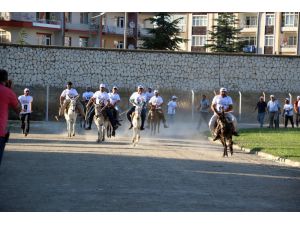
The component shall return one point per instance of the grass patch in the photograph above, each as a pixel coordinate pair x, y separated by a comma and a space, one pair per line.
284, 143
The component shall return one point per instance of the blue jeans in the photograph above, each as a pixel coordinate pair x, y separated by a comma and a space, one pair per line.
2, 146
260, 118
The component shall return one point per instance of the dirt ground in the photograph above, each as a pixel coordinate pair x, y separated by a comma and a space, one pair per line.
179, 170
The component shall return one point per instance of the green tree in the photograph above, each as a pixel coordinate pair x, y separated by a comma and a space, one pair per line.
225, 35
22, 36
164, 35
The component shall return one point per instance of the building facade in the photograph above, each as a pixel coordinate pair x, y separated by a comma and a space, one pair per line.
264, 32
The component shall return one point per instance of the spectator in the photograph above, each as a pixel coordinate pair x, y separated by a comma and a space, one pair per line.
8, 99
273, 109
297, 110
172, 105
261, 107
288, 113
25, 114
203, 108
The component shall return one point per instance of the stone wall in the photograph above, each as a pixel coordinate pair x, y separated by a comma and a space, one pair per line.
54, 66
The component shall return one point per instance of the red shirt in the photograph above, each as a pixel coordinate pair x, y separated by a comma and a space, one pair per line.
7, 98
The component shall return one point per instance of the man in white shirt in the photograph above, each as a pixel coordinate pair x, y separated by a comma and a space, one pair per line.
222, 101
25, 114
101, 97
273, 109
156, 103
288, 113
65, 97
138, 98
204, 111
172, 105
114, 98
86, 96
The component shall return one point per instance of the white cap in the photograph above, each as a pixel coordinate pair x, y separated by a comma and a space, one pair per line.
272, 96
155, 91
298, 97
174, 97
26, 89
102, 85
115, 87
140, 86
223, 89
287, 99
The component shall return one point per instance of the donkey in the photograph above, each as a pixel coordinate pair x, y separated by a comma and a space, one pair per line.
136, 123
102, 122
225, 129
70, 116
154, 120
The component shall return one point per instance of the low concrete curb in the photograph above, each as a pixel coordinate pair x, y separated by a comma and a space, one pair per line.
262, 154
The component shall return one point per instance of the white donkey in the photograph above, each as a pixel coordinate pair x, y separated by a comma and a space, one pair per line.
136, 123
70, 116
103, 124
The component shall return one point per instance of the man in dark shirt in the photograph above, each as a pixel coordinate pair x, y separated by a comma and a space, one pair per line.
261, 107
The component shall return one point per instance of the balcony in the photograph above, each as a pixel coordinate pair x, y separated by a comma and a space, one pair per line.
47, 23
248, 28
144, 32
289, 49
118, 30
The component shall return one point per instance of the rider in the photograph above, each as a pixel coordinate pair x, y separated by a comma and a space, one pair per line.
114, 98
65, 98
86, 96
26, 103
149, 94
219, 101
157, 101
101, 97
136, 98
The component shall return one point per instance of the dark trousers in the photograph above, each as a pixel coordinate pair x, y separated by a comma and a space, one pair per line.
143, 115
25, 122
286, 118
297, 119
90, 116
2, 146
111, 117
204, 117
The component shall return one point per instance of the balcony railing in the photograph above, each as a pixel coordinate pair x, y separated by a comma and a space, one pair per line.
144, 32
118, 30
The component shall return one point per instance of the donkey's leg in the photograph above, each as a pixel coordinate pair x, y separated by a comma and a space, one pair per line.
230, 145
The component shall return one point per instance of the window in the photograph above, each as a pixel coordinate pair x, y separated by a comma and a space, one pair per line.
200, 20
68, 17
269, 40
270, 20
120, 44
250, 40
43, 39
68, 41
84, 18
198, 40
4, 37
83, 41
181, 22
251, 21
120, 22
290, 19
292, 41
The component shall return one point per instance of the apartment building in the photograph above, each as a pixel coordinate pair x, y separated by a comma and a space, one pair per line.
264, 32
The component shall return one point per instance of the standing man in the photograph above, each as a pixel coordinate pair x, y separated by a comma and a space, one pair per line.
135, 99
288, 113
64, 100
261, 107
149, 94
86, 96
273, 108
114, 98
25, 114
297, 110
172, 105
8, 99
204, 111
222, 101
156, 101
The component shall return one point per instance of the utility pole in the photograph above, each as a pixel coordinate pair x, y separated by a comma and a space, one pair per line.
125, 31
62, 19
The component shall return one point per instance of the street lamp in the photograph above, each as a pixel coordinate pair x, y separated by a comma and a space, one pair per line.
100, 28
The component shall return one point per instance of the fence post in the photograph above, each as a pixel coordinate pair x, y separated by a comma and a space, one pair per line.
291, 98
240, 106
264, 94
193, 103
47, 104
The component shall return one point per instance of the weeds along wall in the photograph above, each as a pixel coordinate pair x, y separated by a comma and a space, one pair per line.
54, 66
